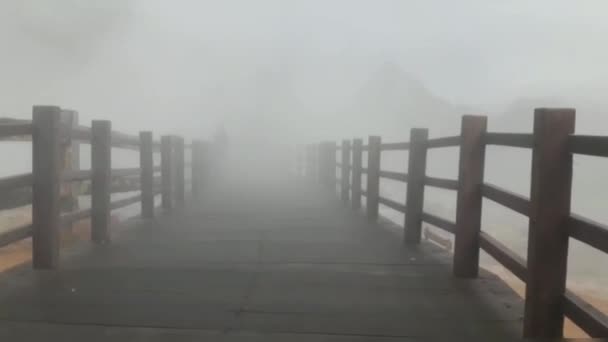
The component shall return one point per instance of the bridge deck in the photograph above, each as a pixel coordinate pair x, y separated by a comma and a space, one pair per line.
286, 265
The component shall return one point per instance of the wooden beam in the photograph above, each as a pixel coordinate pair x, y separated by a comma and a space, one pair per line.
356, 174
415, 187
373, 178
146, 164
345, 185
101, 165
46, 173
469, 198
166, 152
550, 197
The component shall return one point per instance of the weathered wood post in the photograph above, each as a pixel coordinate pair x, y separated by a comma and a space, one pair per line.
146, 162
550, 197
101, 165
321, 161
180, 171
415, 185
71, 157
46, 171
373, 177
345, 171
197, 168
356, 182
469, 202
166, 156
331, 148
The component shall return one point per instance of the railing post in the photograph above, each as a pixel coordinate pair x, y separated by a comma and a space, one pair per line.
321, 163
180, 171
356, 182
345, 170
146, 163
469, 202
101, 165
46, 163
415, 185
197, 169
550, 197
331, 147
373, 177
71, 152
166, 152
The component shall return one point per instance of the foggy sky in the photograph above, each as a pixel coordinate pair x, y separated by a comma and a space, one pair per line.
286, 68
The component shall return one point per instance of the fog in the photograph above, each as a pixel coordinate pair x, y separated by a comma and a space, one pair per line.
293, 72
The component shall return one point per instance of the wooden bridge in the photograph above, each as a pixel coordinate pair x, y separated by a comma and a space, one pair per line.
281, 258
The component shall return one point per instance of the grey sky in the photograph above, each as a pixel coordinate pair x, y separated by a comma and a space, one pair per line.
278, 61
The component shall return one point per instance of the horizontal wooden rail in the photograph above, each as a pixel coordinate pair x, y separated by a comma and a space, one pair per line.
521, 140
506, 198
443, 142
126, 172
81, 133
74, 176
157, 168
506, 257
125, 202
15, 182
439, 222
398, 176
392, 204
69, 218
590, 145
588, 231
15, 235
15, 130
583, 314
448, 184
122, 139
398, 146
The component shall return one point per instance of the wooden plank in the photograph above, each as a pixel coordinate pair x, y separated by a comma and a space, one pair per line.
74, 176
415, 186
15, 130
70, 218
398, 176
180, 171
521, 140
548, 232
146, 180
506, 257
441, 183
453, 141
356, 174
101, 164
126, 172
373, 177
439, 222
511, 200
588, 231
15, 235
584, 315
398, 146
591, 145
167, 173
469, 198
46, 166
80, 133
15, 182
345, 171
125, 202
392, 204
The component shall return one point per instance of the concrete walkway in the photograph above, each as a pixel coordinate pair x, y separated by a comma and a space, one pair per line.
272, 262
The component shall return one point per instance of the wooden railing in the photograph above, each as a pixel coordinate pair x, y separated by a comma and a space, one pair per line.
51, 137
551, 222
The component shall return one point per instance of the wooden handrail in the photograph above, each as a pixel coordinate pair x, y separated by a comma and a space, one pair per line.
588, 231
590, 145
392, 204
441, 183
583, 314
506, 198
451, 141
509, 259
398, 146
15, 130
398, 176
15, 182
15, 235
521, 140
439, 222
125, 202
